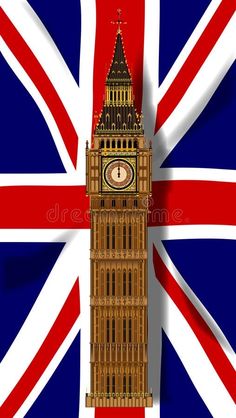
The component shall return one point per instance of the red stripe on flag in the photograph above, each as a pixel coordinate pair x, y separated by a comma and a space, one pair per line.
175, 202
119, 412
59, 331
204, 334
133, 36
185, 202
31, 65
194, 61
44, 207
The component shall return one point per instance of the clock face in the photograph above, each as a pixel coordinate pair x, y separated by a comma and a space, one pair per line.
119, 174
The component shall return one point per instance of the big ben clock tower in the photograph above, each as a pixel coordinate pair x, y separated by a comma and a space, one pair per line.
118, 179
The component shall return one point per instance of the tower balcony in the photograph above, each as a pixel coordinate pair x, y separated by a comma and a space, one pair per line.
132, 254
140, 400
118, 301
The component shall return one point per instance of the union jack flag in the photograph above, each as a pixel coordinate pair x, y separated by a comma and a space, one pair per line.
55, 58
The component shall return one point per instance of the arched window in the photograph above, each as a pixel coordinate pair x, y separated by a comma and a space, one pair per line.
124, 144
108, 143
124, 237
108, 330
124, 283
118, 95
102, 282
135, 144
108, 384
113, 384
108, 283
113, 283
130, 283
124, 330
113, 144
118, 117
135, 126
118, 144
129, 117
113, 328
124, 126
113, 236
130, 330
126, 95
107, 117
115, 95
124, 383
108, 236
110, 95
130, 144
102, 144
113, 127
130, 384
130, 236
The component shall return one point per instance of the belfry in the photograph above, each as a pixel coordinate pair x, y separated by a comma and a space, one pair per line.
118, 182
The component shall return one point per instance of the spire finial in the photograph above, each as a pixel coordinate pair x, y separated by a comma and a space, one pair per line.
119, 21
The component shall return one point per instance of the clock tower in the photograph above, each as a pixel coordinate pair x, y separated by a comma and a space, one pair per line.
118, 181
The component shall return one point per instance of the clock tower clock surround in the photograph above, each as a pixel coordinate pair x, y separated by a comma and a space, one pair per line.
118, 181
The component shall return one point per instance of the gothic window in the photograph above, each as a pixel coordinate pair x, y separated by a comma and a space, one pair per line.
124, 330
108, 282
130, 283
135, 126
108, 384
122, 96
110, 95
107, 115
130, 384
124, 237
118, 117
113, 331
135, 283
113, 143
108, 331
124, 126
102, 126
113, 285
108, 236
118, 144
102, 203
113, 384
124, 283
124, 383
113, 126
115, 95
126, 95
129, 117
108, 143
113, 237
102, 282
119, 95
130, 144
124, 203
130, 237
130, 330
113, 203
124, 144
102, 236
135, 144
102, 144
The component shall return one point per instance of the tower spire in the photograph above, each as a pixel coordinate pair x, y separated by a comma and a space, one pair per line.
119, 21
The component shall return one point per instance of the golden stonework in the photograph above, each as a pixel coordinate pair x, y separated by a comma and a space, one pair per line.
119, 181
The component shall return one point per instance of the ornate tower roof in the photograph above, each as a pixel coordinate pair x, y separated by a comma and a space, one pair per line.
119, 71
119, 116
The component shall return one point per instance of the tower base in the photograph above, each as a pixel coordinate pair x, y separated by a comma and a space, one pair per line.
97, 400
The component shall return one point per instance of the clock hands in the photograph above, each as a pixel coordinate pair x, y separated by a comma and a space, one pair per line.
118, 170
